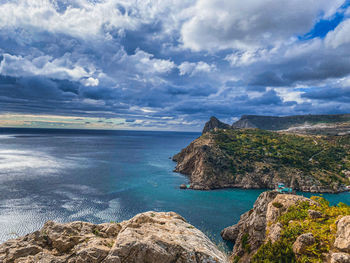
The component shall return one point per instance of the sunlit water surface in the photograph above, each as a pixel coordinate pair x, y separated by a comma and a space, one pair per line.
102, 176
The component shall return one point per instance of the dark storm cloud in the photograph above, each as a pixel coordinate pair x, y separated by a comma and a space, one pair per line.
329, 94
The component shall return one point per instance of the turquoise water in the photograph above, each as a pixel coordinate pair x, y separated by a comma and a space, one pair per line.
102, 176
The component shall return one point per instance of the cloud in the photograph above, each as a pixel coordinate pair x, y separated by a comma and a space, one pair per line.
86, 19
90, 81
340, 36
146, 62
192, 68
172, 63
245, 58
79, 18
224, 24
59, 68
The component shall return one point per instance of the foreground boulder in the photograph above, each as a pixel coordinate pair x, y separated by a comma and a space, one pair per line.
148, 237
291, 228
342, 242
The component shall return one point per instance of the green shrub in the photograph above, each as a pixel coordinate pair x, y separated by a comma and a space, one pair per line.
245, 243
243, 148
296, 222
278, 252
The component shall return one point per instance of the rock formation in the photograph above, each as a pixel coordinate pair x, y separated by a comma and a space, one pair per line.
342, 241
262, 225
146, 238
249, 159
303, 241
254, 223
215, 123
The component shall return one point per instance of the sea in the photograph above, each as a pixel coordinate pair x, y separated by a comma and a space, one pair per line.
102, 176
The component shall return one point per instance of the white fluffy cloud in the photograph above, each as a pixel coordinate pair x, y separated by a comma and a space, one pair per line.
145, 62
245, 58
90, 82
192, 68
87, 18
59, 68
340, 36
252, 24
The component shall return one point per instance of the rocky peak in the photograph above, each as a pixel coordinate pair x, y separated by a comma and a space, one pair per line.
146, 238
214, 123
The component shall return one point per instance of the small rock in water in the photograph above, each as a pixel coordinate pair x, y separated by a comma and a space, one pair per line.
183, 186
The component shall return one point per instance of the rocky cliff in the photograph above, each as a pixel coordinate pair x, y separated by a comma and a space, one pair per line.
255, 158
291, 228
214, 123
146, 238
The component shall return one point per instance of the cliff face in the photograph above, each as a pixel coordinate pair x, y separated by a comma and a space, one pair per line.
202, 161
146, 238
214, 123
260, 159
283, 228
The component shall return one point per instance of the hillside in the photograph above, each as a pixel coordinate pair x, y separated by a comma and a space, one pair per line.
313, 124
291, 228
253, 158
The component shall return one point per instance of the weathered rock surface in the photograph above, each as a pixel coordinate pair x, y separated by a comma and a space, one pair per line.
315, 214
214, 123
342, 241
254, 224
251, 225
340, 258
195, 161
230, 233
274, 233
262, 225
148, 237
302, 242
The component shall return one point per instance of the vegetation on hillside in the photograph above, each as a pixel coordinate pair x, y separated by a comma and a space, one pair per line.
282, 123
297, 221
324, 157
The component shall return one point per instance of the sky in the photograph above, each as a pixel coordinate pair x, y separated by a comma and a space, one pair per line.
170, 64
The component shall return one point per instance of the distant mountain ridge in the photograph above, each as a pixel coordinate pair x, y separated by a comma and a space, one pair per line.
327, 123
282, 123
